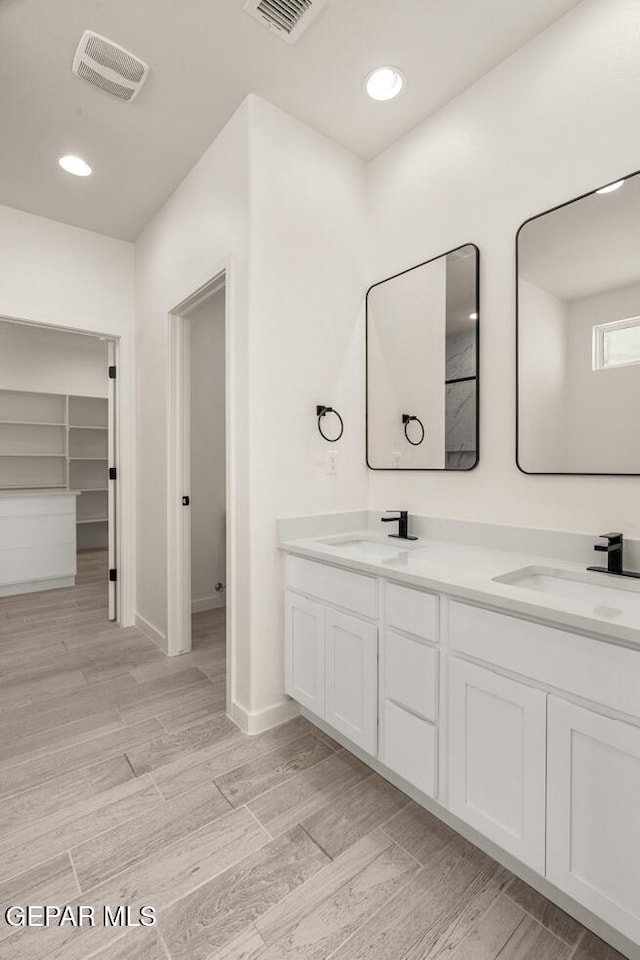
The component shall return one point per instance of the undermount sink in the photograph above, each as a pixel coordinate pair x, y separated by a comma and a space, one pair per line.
368, 548
607, 596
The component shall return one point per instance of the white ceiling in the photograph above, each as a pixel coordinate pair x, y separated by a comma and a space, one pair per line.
585, 248
205, 56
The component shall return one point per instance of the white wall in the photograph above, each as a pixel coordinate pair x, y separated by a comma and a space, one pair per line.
52, 361
558, 118
308, 279
272, 189
202, 228
543, 380
208, 464
603, 405
52, 273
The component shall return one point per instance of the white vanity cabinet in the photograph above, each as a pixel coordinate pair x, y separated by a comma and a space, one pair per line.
593, 812
497, 759
304, 652
351, 678
331, 655
409, 685
527, 732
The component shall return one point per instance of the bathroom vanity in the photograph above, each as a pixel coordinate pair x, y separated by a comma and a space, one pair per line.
499, 689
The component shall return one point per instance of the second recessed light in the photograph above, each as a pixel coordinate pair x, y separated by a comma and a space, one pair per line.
384, 83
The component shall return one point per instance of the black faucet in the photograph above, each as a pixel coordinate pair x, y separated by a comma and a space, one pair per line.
403, 525
613, 549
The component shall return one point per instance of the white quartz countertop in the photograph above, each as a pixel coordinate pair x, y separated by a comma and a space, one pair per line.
469, 572
39, 492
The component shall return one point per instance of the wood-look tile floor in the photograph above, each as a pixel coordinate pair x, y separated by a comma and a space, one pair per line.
123, 782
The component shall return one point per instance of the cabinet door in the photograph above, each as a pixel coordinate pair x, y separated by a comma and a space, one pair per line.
304, 652
497, 759
351, 650
593, 821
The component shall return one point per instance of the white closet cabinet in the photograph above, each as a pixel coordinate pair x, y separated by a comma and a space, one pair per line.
497, 759
351, 657
304, 652
593, 850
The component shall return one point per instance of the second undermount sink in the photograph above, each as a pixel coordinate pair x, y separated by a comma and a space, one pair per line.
606, 596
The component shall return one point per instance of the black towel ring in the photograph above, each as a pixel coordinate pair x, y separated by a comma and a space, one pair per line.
406, 419
321, 411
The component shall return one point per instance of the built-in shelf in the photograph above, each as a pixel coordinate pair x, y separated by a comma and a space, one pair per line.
36, 486
56, 442
76, 426
35, 423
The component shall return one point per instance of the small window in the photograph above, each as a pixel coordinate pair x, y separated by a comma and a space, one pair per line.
616, 344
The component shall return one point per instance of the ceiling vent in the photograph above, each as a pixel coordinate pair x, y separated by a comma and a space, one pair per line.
288, 18
109, 67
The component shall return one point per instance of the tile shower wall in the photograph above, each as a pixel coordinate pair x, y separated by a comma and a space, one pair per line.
460, 409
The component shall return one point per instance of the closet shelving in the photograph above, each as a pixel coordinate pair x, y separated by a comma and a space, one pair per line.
58, 441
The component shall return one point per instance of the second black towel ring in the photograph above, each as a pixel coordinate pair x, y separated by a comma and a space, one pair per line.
406, 419
321, 411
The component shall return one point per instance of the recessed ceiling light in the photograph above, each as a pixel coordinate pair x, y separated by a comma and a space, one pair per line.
384, 83
75, 165
473, 316
611, 187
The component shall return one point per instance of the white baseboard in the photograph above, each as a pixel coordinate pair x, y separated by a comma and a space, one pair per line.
151, 632
208, 603
253, 723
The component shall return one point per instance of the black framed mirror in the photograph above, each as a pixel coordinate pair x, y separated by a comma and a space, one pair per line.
578, 335
422, 365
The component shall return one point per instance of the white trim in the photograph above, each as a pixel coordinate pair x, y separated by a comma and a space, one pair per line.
599, 331
151, 632
208, 603
179, 587
124, 445
253, 723
178, 485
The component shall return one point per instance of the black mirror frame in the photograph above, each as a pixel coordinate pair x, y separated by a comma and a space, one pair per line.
477, 357
550, 473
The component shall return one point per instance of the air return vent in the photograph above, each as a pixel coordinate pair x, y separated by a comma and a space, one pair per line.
287, 18
108, 66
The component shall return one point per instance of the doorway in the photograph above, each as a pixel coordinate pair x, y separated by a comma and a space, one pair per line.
58, 450
198, 469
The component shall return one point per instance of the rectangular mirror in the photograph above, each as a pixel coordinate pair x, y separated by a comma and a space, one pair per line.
578, 335
422, 366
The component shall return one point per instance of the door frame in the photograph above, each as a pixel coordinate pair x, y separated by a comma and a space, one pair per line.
126, 574
179, 466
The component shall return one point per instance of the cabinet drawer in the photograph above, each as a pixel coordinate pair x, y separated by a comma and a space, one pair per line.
410, 748
592, 669
411, 674
411, 610
353, 591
